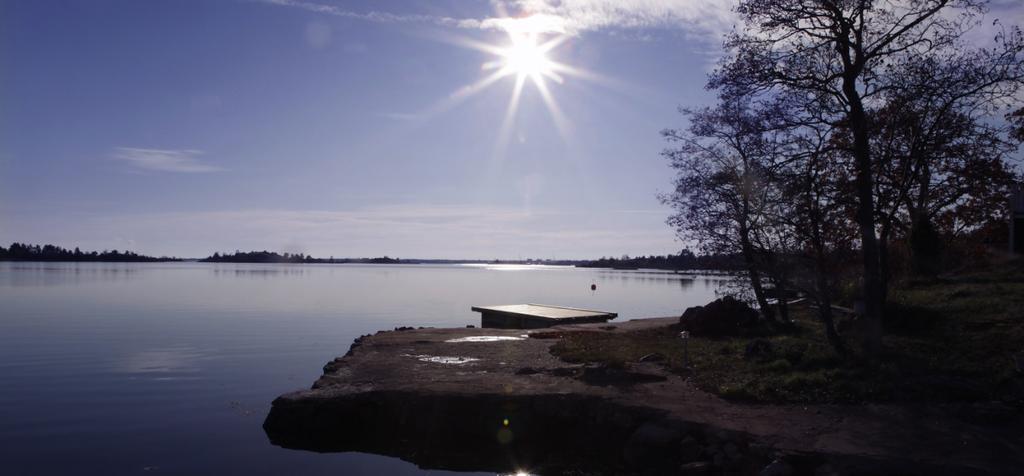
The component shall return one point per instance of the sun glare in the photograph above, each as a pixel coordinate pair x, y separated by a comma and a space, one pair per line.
525, 57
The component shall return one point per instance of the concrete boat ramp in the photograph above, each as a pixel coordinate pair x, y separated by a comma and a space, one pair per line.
498, 400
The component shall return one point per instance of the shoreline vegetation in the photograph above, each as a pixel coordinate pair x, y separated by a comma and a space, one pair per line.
26, 252
957, 337
685, 260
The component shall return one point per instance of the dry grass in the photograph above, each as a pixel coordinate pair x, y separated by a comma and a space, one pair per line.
948, 339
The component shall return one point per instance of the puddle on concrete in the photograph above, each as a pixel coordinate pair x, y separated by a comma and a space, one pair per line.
441, 359
486, 339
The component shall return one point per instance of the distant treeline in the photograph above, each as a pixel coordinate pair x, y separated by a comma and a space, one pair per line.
272, 257
684, 260
24, 252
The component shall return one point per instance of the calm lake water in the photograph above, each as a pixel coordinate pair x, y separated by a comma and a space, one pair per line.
170, 368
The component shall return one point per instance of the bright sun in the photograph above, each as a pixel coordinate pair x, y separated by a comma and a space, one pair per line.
527, 58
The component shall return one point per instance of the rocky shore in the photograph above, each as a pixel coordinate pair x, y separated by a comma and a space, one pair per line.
498, 400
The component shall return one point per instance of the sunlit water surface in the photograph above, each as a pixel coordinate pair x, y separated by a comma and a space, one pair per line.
110, 368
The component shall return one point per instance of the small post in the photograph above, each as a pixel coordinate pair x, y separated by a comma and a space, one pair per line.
685, 336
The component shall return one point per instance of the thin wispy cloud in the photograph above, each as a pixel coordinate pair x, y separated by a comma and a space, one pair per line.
570, 17
705, 20
164, 160
373, 16
708, 16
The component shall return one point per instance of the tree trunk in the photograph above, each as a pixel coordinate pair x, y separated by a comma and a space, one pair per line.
925, 243
825, 312
873, 296
783, 304
755, 276
778, 278
919, 211
883, 261
924, 183
823, 290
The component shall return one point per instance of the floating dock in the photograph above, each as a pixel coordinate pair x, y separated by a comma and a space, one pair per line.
535, 316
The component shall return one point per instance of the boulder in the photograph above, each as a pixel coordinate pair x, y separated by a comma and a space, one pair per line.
689, 449
722, 317
731, 451
650, 444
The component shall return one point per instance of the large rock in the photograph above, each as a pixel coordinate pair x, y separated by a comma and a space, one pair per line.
649, 444
722, 317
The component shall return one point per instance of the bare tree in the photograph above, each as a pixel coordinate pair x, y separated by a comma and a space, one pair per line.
721, 194
815, 212
836, 54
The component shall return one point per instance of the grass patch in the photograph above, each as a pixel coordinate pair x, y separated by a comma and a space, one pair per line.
946, 339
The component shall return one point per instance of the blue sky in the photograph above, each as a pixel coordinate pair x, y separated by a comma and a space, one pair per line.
338, 127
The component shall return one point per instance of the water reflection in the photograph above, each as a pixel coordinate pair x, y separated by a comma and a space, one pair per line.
160, 361
515, 267
111, 367
247, 271
27, 274
442, 359
686, 280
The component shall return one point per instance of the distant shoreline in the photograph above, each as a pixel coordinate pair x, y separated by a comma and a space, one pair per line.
684, 261
403, 262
